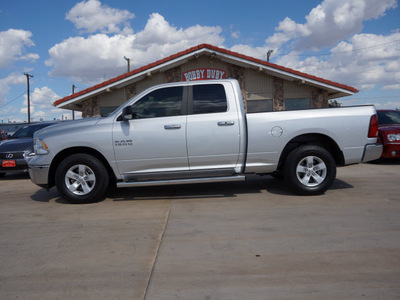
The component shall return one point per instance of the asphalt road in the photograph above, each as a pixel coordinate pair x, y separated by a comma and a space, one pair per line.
246, 240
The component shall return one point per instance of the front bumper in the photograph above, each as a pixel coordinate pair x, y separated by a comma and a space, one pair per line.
39, 174
20, 164
391, 151
372, 152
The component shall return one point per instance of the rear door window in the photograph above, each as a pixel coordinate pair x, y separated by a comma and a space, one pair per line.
209, 98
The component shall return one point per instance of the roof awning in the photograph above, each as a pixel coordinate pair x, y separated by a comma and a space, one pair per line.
335, 90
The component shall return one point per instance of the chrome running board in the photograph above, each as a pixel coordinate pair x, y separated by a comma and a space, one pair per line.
180, 181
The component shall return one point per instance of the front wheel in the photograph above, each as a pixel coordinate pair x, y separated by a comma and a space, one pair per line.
310, 170
82, 178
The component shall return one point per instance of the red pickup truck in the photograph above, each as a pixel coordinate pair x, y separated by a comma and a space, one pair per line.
389, 132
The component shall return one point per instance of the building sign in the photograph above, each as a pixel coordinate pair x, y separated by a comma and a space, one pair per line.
203, 74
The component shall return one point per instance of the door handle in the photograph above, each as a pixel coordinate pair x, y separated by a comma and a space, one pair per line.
226, 123
175, 126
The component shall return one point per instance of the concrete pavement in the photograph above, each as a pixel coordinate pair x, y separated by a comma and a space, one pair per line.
246, 240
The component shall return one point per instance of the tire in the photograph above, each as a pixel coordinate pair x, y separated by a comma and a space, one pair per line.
2, 174
309, 170
82, 178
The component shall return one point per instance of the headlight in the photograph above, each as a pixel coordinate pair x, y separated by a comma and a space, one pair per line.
40, 147
393, 137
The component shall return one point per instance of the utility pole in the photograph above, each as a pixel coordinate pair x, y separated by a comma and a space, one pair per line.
269, 54
73, 111
28, 93
129, 62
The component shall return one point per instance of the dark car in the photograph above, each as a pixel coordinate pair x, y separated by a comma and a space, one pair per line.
389, 132
15, 151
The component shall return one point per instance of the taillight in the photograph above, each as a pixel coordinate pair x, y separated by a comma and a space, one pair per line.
373, 127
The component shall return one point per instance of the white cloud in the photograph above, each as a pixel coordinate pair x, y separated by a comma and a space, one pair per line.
43, 97
30, 57
357, 59
364, 61
361, 60
91, 16
392, 86
258, 52
40, 99
235, 34
12, 46
39, 114
388, 105
101, 56
6, 83
328, 23
90, 59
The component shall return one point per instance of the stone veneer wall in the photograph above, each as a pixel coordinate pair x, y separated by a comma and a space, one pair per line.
237, 73
130, 91
279, 103
90, 108
173, 75
319, 98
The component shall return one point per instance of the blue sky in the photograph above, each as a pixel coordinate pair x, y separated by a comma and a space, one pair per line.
81, 43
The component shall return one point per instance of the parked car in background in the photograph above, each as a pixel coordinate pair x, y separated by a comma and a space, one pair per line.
389, 132
15, 152
3, 135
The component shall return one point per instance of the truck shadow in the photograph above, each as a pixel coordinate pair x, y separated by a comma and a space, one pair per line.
16, 175
386, 161
42, 195
189, 191
253, 185
340, 185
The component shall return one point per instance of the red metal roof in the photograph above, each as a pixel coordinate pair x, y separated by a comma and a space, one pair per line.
193, 49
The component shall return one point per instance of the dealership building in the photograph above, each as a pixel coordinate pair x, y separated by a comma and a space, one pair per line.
265, 86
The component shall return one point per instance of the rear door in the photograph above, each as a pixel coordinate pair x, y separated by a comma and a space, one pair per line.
212, 128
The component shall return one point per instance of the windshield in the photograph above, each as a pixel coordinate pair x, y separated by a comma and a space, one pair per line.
389, 117
28, 131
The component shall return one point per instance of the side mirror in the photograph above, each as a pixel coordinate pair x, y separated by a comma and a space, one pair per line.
127, 113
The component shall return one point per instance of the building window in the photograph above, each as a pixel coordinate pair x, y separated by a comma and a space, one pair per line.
256, 106
296, 104
106, 110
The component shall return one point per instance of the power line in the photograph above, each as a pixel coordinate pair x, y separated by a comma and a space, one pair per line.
12, 100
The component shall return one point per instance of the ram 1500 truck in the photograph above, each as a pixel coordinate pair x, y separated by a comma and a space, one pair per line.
196, 132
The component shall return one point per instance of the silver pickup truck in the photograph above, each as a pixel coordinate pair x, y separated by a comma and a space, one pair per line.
196, 132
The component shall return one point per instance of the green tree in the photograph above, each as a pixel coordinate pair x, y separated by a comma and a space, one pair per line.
334, 103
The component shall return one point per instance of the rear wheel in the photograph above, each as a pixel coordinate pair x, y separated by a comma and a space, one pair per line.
310, 170
82, 178
2, 174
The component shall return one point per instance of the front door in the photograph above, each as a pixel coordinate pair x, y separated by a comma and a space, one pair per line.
155, 139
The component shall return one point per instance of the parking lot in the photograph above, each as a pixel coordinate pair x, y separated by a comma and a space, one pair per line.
246, 240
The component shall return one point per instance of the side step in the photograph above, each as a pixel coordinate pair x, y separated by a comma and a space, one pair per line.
181, 181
